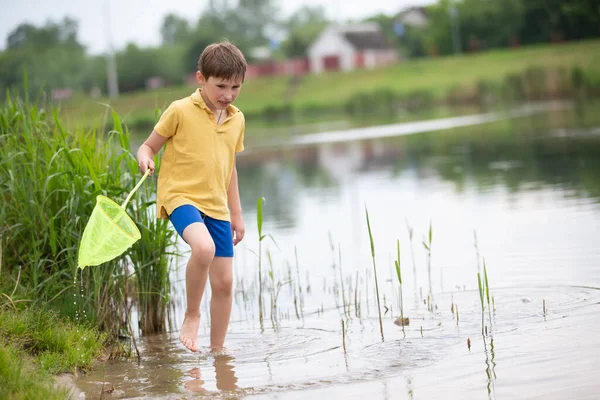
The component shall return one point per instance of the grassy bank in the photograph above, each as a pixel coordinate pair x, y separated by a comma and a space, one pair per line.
510, 73
52, 312
50, 178
35, 345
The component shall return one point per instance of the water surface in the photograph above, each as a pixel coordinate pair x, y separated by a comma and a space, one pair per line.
520, 190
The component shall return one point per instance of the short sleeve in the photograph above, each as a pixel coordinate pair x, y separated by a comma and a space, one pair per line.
168, 122
239, 146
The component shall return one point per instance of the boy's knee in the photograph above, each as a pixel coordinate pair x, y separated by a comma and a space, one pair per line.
203, 251
223, 286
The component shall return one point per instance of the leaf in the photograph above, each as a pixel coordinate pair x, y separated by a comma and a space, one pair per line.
487, 285
430, 232
480, 290
259, 215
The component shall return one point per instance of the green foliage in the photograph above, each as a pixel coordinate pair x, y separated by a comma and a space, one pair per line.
54, 58
35, 344
136, 65
397, 263
49, 180
175, 30
60, 346
20, 380
51, 55
303, 27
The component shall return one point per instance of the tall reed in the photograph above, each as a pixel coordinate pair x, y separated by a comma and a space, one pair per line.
487, 291
428, 246
374, 270
399, 273
259, 223
49, 180
480, 284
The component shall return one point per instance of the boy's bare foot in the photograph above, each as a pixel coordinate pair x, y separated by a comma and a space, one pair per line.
189, 332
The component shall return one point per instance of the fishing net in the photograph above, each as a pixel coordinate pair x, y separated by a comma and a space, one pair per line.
108, 233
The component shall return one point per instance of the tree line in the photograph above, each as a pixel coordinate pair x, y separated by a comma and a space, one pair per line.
51, 56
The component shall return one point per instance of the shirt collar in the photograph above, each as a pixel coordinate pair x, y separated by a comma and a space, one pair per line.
199, 101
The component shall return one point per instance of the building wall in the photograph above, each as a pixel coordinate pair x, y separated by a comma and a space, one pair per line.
291, 67
414, 18
380, 58
330, 44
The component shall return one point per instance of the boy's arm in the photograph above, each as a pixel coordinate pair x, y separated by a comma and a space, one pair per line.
235, 207
148, 151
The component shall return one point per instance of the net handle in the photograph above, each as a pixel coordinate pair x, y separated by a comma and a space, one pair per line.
135, 188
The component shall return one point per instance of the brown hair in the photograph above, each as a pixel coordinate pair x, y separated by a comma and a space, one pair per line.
222, 60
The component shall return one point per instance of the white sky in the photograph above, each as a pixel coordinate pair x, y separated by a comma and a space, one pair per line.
139, 21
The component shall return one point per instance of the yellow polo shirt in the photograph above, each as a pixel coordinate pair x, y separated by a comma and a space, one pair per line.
198, 160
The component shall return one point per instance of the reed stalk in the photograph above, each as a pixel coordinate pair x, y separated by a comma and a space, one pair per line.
480, 285
399, 274
487, 292
259, 222
374, 271
428, 246
343, 335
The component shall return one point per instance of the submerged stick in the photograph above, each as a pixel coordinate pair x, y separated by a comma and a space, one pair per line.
343, 335
544, 306
356, 296
457, 315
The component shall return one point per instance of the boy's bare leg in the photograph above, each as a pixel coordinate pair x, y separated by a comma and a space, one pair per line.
221, 284
196, 274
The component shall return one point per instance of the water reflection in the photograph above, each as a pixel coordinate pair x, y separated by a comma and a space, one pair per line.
225, 377
522, 193
517, 154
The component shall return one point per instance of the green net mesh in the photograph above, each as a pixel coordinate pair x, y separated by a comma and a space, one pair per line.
109, 232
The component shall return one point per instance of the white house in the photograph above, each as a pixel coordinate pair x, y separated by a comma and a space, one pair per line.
347, 47
413, 16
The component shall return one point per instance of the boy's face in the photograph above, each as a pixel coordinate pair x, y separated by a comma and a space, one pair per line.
218, 93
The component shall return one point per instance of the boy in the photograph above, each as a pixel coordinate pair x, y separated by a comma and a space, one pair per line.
198, 184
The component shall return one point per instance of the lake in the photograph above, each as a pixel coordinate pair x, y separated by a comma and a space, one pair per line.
515, 190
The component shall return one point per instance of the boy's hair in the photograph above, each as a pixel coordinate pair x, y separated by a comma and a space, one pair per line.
222, 60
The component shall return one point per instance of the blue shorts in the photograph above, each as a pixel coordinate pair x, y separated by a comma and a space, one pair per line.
220, 231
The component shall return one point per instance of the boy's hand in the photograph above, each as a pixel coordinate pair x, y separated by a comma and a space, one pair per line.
238, 228
146, 163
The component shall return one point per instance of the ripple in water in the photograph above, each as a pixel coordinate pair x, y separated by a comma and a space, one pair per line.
309, 356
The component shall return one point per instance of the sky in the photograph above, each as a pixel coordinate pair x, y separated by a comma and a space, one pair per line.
139, 21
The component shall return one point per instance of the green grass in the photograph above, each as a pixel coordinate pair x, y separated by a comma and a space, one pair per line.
433, 75
35, 344
49, 179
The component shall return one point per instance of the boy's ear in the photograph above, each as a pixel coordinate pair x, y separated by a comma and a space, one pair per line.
200, 78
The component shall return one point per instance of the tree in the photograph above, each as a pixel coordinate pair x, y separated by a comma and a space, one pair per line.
175, 30
51, 55
256, 16
477, 32
303, 27
547, 20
